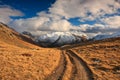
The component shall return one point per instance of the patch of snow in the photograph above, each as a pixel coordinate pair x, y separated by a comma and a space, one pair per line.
59, 38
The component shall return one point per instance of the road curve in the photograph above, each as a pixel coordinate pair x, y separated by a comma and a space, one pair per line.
71, 67
80, 69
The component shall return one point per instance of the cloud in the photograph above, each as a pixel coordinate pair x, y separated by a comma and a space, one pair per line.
118, 1
56, 18
113, 21
42, 22
85, 9
56, 26
30, 24
98, 28
6, 12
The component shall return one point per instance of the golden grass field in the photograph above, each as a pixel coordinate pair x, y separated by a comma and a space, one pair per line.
22, 59
103, 58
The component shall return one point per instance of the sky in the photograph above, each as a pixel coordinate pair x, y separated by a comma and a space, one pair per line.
89, 16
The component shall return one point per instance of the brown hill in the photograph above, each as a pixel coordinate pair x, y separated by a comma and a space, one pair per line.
10, 36
21, 59
102, 57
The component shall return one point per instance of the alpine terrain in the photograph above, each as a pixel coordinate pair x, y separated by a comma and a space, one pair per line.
73, 56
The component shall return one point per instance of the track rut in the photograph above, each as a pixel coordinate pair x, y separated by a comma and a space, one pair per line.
71, 67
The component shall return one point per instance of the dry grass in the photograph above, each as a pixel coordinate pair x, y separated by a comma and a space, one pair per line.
103, 58
20, 60
33, 64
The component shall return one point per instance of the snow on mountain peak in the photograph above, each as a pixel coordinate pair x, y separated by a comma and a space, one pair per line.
60, 38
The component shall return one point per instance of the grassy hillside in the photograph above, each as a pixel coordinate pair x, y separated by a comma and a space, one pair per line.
21, 59
103, 57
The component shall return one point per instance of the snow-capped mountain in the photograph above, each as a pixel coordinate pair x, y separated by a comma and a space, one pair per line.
105, 36
60, 38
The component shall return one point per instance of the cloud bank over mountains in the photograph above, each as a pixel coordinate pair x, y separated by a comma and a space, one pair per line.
106, 13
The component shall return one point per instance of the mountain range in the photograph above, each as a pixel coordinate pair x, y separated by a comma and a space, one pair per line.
51, 39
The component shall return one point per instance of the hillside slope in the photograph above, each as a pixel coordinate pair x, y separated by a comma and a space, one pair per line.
21, 59
102, 57
10, 36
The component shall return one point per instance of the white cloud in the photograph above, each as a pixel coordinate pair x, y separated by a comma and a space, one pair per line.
92, 30
6, 12
42, 22
30, 24
58, 25
82, 8
113, 21
56, 18
49, 15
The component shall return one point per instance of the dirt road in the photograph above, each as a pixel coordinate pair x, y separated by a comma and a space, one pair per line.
71, 67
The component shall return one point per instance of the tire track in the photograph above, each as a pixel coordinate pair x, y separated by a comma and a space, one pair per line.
58, 73
80, 70
74, 68
71, 64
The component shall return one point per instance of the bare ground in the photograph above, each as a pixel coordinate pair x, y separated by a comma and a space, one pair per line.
77, 71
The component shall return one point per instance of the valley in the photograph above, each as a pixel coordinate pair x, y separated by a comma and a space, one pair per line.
22, 59
59, 39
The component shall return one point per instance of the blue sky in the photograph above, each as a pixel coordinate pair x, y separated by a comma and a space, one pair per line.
89, 16
29, 7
